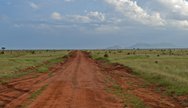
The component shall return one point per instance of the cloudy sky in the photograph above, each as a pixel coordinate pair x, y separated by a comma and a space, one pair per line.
26, 24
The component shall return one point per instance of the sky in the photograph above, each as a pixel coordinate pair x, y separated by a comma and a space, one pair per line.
78, 24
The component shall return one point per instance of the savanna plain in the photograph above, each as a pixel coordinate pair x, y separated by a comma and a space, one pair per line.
127, 78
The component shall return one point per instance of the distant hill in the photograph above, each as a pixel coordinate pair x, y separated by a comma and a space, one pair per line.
149, 46
114, 47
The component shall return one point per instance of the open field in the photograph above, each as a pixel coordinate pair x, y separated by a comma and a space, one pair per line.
167, 68
12, 62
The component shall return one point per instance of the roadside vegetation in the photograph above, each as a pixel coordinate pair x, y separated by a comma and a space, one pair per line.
14, 64
166, 68
35, 94
129, 99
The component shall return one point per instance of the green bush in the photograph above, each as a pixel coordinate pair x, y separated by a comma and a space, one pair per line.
106, 55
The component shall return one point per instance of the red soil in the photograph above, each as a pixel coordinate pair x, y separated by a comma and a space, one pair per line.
78, 83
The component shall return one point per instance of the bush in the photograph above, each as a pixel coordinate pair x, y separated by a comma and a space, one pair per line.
32, 52
120, 51
106, 55
156, 62
2, 52
65, 56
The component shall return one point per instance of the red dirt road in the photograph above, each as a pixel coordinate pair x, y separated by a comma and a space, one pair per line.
78, 83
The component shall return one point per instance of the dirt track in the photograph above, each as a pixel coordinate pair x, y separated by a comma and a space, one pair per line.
78, 83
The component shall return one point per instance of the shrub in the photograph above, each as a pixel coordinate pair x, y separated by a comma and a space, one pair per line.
65, 56
32, 52
120, 51
106, 55
2, 52
156, 62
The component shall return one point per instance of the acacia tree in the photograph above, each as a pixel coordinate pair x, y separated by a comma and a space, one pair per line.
3, 50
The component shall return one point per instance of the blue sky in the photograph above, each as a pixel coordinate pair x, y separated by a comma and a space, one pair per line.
30, 24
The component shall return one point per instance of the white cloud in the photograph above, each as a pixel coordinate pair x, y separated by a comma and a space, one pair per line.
93, 16
97, 15
131, 10
33, 5
176, 12
176, 6
56, 16
128, 14
79, 19
183, 24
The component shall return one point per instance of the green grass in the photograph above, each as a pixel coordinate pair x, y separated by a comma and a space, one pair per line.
166, 68
128, 98
42, 69
35, 94
13, 62
103, 59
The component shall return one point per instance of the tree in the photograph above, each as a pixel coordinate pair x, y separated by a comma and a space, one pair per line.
3, 50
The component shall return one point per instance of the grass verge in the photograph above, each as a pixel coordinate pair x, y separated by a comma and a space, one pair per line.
129, 99
41, 68
165, 68
15, 63
35, 94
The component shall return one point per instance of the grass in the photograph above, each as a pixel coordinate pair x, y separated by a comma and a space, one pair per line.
35, 94
12, 63
42, 69
128, 98
103, 59
168, 68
